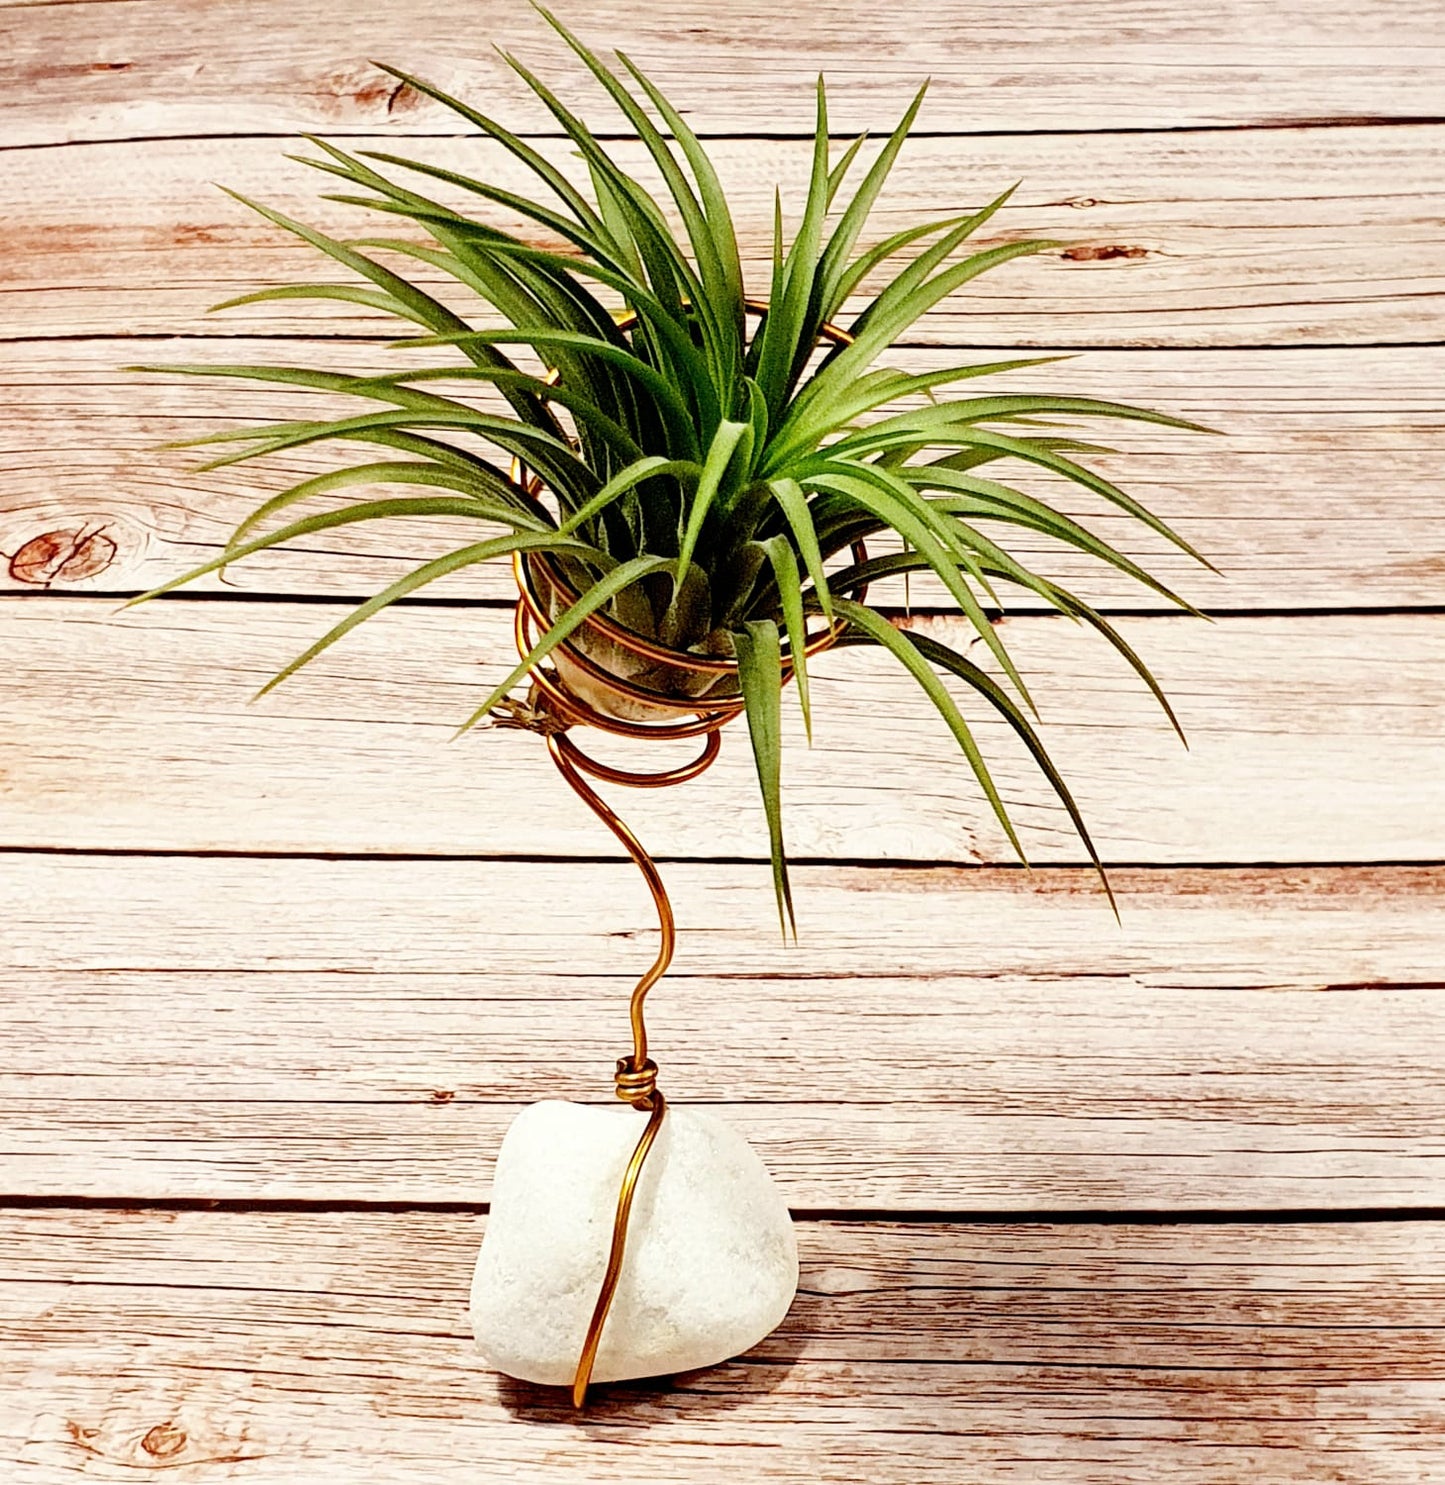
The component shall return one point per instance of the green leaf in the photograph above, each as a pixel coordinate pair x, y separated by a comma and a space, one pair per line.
923, 528
573, 232
421, 306
1002, 502
927, 423
629, 479
371, 510
411, 473
794, 505
582, 408
704, 244
669, 328
669, 270
1076, 606
718, 215
873, 389
568, 475
833, 265
349, 293
719, 456
482, 551
672, 408
787, 336
790, 596
417, 305
911, 279
760, 674
882, 330
533, 159
740, 465
880, 252
1034, 452
839, 171
1003, 703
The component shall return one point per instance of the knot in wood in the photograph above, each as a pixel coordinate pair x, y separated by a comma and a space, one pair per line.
71, 555
164, 1440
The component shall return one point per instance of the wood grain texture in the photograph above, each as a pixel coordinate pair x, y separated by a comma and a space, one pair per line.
132, 730
272, 1348
1236, 238
87, 504
438, 937
953, 1040
100, 70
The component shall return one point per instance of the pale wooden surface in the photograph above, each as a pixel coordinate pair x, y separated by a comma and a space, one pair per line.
1279, 710
277, 1348
1247, 1038
1244, 237
306, 958
738, 66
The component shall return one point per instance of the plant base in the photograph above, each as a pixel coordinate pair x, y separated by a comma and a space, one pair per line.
711, 1262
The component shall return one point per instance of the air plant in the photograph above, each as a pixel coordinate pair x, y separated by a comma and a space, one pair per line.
698, 467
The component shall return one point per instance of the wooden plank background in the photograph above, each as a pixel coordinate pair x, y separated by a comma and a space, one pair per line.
1078, 1201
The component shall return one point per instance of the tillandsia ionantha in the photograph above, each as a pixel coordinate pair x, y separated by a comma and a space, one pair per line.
708, 466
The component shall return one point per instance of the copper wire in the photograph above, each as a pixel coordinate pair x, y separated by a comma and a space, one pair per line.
555, 709
616, 1252
636, 1075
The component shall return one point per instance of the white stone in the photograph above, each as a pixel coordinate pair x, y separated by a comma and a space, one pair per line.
711, 1263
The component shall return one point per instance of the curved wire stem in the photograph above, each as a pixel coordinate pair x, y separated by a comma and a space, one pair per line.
571, 761
636, 1076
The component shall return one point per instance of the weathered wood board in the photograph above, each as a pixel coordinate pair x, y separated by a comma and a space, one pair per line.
1301, 729
278, 1347
306, 960
98, 70
1238, 238
88, 503
965, 1040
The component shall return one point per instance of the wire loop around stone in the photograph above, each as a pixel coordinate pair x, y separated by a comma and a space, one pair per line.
636, 1084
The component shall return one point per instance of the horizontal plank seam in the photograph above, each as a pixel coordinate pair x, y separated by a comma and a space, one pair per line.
674, 976
379, 339
889, 863
915, 611
884, 1099
357, 337
959, 1216
359, 131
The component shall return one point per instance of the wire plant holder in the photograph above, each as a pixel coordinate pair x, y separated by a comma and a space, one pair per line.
553, 708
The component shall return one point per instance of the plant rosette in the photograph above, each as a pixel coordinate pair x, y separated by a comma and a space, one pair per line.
684, 480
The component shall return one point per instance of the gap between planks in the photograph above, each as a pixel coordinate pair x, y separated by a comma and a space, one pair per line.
840, 141
1142, 1217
